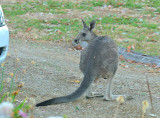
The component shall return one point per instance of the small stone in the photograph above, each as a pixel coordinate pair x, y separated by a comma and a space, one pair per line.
129, 97
153, 115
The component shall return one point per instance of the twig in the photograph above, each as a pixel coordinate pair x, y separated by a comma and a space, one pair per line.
150, 95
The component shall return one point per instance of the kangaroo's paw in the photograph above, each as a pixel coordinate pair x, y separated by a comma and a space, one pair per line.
111, 97
97, 94
94, 94
114, 97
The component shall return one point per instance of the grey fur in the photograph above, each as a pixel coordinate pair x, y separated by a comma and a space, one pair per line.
98, 60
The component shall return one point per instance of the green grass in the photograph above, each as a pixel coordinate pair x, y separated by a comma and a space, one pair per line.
158, 10
136, 4
56, 7
70, 26
153, 3
128, 21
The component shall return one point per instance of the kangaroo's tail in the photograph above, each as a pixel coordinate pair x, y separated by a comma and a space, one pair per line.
87, 80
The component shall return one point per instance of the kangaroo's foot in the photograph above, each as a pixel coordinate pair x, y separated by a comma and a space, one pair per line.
94, 94
114, 97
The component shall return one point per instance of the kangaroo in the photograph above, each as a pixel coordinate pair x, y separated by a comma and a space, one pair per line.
99, 59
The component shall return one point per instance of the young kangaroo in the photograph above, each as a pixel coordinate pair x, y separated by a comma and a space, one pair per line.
98, 60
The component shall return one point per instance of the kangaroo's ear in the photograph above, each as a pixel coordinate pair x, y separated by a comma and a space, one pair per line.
92, 25
84, 24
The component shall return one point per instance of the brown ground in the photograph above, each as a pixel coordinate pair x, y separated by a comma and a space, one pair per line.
57, 66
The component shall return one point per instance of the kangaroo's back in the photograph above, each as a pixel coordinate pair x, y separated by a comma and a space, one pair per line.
102, 51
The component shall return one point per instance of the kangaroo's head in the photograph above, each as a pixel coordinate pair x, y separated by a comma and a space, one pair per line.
85, 35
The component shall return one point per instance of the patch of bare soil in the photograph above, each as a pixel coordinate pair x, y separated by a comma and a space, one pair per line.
57, 67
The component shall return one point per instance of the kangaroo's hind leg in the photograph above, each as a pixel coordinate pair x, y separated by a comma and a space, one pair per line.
90, 94
108, 93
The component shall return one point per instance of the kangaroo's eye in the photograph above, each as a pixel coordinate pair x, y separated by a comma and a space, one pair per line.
83, 34
76, 40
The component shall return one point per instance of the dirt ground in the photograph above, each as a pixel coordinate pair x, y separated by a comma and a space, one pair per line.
56, 73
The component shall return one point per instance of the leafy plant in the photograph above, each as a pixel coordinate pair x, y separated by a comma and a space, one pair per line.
20, 109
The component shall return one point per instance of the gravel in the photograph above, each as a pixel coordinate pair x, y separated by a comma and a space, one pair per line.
57, 66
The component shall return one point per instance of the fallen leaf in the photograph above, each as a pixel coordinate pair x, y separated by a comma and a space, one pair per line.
28, 29
125, 66
125, 16
59, 31
128, 49
154, 65
153, 40
133, 62
75, 81
47, 9
119, 39
121, 57
120, 4
21, 85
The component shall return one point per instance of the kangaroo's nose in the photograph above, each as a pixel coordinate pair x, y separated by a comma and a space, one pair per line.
75, 42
